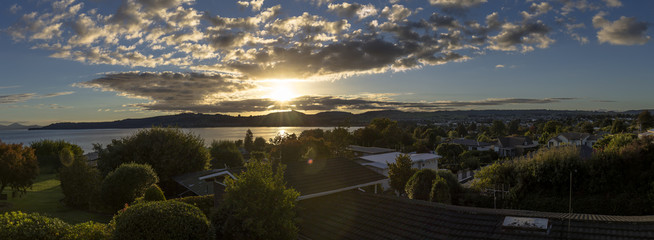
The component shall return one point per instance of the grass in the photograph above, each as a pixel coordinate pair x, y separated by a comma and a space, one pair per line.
45, 198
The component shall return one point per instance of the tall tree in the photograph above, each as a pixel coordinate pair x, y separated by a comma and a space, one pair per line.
225, 154
400, 171
47, 153
18, 167
257, 205
618, 126
645, 120
248, 141
450, 152
498, 129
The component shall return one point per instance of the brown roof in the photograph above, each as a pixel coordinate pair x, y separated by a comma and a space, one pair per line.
356, 215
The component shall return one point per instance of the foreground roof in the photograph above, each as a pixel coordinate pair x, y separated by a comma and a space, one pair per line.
369, 150
356, 215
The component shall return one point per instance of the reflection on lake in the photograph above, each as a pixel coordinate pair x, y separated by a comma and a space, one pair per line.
85, 138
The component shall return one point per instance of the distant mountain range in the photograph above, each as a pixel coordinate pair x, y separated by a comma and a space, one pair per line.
16, 126
295, 118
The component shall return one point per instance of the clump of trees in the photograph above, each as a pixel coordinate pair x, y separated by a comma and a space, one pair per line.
170, 152
18, 167
79, 182
19, 225
436, 186
48, 153
615, 180
225, 154
400, 172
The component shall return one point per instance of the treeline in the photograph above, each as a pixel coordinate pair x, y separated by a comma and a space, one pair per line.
617, 179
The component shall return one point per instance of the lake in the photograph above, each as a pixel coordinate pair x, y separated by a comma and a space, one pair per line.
85, 138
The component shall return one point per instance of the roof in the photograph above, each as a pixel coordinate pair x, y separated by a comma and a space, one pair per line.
369, 150
356, 215
310, 178
470, 142
573, 136
513, 142
382, 160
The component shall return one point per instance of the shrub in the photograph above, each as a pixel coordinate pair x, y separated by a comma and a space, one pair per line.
440, 191
89, 231
126, 183
18, 167
170, 152
161, 220
28, 226
79, 183
204, 203
419, 185
154, 193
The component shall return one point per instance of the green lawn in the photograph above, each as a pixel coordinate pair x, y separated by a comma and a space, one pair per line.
45, 198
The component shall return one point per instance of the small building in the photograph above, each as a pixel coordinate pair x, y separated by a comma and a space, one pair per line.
365, 151
514, 146
573, 138
310, 178
379, 162
646, 134
471, 144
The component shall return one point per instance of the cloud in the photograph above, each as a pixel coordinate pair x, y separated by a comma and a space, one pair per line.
22, 97
624, 31
456, 3
521, 37
350, 10
255, 4
499, 66
613, 3
169, 89
15, 8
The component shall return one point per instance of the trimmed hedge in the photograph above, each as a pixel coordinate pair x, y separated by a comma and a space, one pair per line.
28, 226
126, 183
90, 231
161, 220
154, 193
204, 203
440, 191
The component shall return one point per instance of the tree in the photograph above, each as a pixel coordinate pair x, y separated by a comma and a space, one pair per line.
47, 152
259, 144
450, 152
498, 129
169, 151
419, 185
248, 141
440, 191
225, 154
161, 220
645, 120
514, 126
399, 172
338, 140
79, 183
618, 126
18, 167
257, 205
126, 183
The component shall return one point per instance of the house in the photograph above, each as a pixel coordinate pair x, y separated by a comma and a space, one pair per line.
514, 146
357, 215
645, 134
379, 162
470, 144
365, 151
573, 138
310, 178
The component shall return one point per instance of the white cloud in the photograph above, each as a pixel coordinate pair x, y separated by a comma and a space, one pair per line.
624, 31
499, 66
456, 3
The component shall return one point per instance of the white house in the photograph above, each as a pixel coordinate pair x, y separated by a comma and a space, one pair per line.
379, 162
573, 138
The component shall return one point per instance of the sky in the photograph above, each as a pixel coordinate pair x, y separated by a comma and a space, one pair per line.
103, 60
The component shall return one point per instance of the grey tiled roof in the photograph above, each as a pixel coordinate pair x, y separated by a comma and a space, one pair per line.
356, 215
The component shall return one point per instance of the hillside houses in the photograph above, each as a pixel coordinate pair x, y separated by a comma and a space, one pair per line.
514, 146
573, 138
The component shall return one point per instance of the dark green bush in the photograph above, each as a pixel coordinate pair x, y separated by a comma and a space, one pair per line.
154, 193
225, 154
419, 185
28, 226
47, 152
79, 183
161, 220
440, 191
89, 231
204, 203
126, 183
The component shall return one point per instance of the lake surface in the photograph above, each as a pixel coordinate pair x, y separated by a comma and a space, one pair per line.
85, 138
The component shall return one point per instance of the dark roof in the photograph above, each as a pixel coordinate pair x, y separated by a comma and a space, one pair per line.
369, 150
572, 136
470, 142
512, 142
357, 215
307, 177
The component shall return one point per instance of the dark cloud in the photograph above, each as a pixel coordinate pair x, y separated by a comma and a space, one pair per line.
16, 98
456, 3
170, 89
624, 31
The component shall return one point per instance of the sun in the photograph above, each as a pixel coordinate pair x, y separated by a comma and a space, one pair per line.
281, 92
